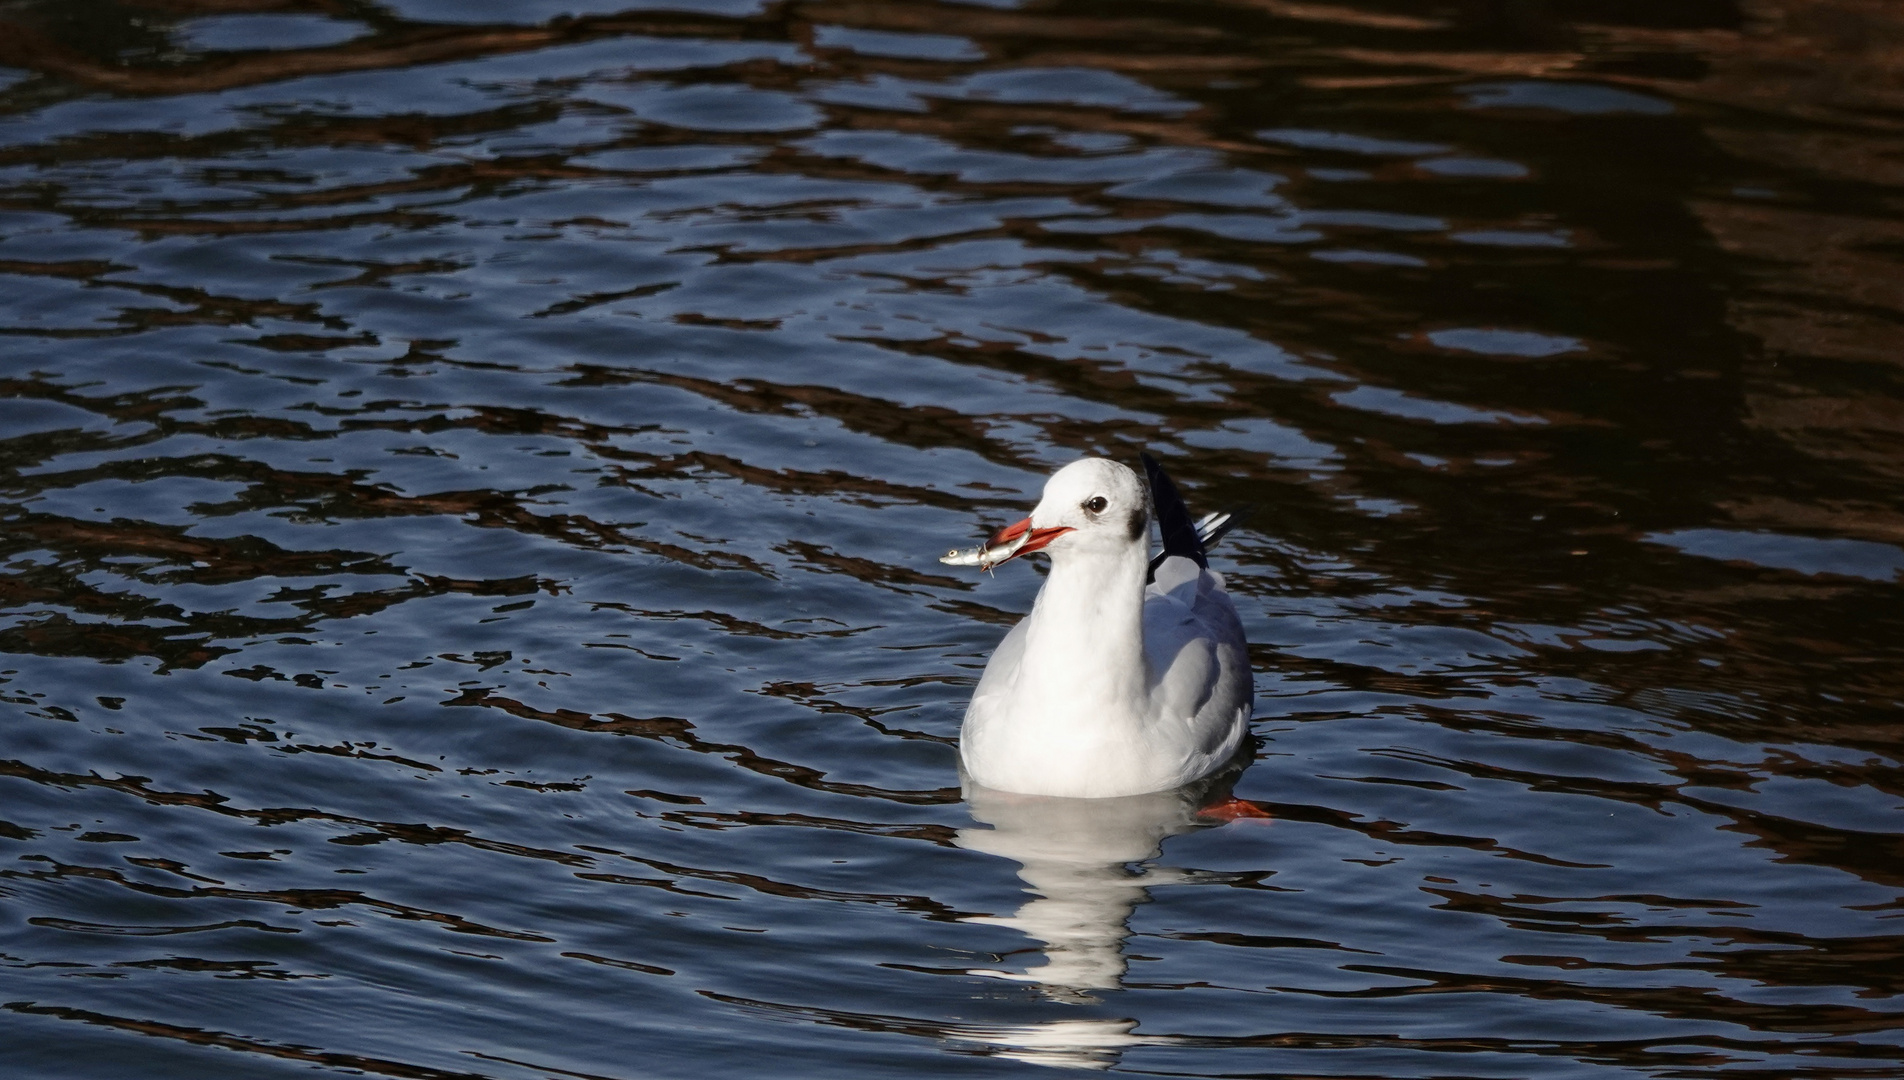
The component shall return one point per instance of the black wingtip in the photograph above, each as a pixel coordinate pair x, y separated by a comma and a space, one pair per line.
1173, 517
1228, 519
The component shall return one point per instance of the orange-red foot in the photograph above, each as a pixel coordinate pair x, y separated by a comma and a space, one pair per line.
1234, 809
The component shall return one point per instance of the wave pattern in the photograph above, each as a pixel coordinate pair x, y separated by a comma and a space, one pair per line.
472, 481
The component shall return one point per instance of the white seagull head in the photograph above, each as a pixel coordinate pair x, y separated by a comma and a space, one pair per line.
1091, 506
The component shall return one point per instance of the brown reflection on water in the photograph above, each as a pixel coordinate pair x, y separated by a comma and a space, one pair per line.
58, 47
1810, 92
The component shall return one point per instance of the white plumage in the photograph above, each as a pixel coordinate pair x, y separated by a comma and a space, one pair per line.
1110, 686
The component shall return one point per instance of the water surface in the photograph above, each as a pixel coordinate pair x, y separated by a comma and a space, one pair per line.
474, 474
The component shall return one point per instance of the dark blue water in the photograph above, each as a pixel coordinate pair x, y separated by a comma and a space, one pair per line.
474, 475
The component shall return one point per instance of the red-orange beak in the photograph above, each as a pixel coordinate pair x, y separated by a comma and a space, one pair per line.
1016, 539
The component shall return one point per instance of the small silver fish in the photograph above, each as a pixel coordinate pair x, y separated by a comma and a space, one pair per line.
982, 557
964, 556
993, 551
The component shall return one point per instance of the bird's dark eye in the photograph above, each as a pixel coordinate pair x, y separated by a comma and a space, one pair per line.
1096, 504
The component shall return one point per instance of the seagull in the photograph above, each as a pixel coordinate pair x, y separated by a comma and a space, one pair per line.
1131, 674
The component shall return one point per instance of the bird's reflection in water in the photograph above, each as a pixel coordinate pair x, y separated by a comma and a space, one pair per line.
1064, 1044
1085, 861
1087, 864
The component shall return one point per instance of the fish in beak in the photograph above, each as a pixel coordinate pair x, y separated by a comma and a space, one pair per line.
1005, 545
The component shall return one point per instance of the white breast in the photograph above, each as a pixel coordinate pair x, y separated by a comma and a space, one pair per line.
1055, 715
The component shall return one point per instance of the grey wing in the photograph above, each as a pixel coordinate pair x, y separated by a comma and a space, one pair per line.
1198, 657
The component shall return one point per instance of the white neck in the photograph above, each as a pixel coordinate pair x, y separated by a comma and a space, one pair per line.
1084, 639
